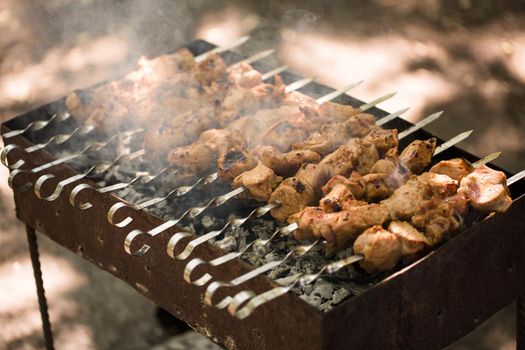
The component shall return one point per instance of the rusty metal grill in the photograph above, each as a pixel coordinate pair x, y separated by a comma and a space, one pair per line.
219, 294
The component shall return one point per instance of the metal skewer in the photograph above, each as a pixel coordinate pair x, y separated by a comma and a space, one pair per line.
94, 147
86, 129
198, 210
38, 125
179, 191
303, 279
281, 232
97, 169
60, 117
224, 48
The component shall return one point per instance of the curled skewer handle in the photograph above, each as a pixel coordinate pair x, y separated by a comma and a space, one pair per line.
258, 243
37, 125
129, 239
216, 285
190, 247
177, 192
58, 188
11, 180
3, 157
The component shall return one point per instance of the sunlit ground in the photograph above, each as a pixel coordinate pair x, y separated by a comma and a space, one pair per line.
475, 73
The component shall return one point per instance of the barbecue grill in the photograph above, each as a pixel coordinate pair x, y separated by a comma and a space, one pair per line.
428, 304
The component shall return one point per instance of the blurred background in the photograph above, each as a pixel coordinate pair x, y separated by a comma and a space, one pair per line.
465, 57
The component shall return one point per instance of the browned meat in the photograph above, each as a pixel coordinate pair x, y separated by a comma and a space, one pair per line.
283, 134
211, 70
342, 161
337, 112
440, 218
388, 174
194, 160
418, 155
234, 162
412, 241
339, 198
313, 174
486, 190
331, 136
285, 164
354, 183
456, 168
259, 182
244, 75
383, 140
381, 249
340, 228
407, 199
294, 195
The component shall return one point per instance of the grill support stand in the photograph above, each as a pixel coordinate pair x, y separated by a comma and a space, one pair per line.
42, 302
520, 320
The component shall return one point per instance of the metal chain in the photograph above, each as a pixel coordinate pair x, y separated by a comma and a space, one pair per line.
42, 302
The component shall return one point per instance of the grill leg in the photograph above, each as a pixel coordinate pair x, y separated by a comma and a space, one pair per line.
520, 320
42, 302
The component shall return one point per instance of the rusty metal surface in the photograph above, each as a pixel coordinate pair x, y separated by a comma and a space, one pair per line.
429, 304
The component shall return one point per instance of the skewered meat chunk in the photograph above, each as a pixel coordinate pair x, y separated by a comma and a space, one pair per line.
338, 112
234, 162
285, 164
244, 75
486, 190
456, 168
283, 134
339, 198
383, 140
418, 155
292, 194
331, 136
380, 248
340, 228
355, 155
197, 158
354, 183
412, 241
440, 218
407, 199
390, 173
259, 182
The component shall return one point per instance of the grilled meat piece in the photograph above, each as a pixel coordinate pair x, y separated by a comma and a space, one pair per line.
456, 168
380, 248
339, 198
234, 162
355, 155
259, 182
418, 155
407, 199
283, 134
388, 174
244, 75
340, 228
354, 183
285, 164
439, 218
294, 195
383, 140
486, 190
198, 158
331, 136
412, 241
337, 112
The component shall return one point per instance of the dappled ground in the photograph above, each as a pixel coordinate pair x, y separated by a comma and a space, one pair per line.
464, 57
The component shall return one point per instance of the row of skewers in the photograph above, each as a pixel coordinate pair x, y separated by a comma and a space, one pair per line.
327, 169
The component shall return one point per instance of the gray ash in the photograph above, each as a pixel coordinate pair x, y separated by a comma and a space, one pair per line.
324, 293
